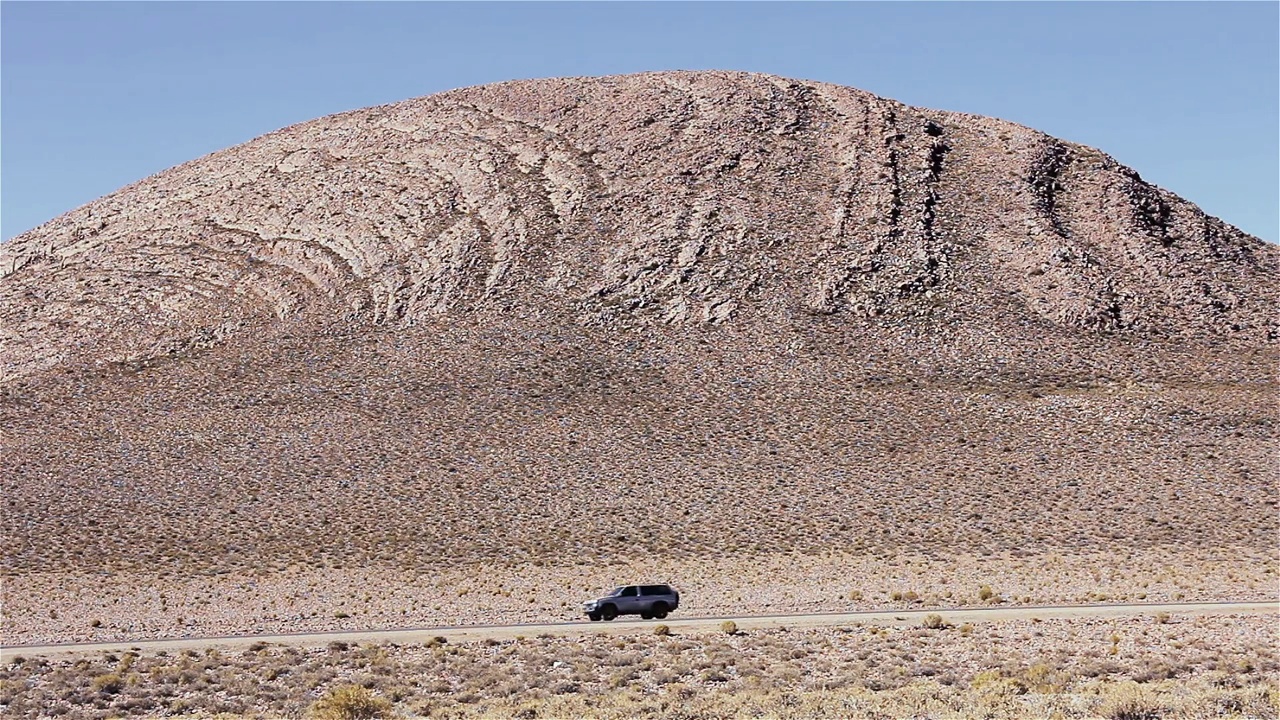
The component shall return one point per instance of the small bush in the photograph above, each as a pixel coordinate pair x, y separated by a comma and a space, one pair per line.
109, 683
1043, 678
729, 627
985, 593
993, 682
1130, 702
661, 630
934, 621
1162, 618
350, 702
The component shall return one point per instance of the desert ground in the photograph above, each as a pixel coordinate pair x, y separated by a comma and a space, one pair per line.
57, 607
333, 500
1155, 666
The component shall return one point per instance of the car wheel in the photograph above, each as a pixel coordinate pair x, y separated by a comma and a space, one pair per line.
595, 616
659, 610
608, 612
646, 615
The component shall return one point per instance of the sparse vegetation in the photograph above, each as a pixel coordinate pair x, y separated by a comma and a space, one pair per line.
1044, 669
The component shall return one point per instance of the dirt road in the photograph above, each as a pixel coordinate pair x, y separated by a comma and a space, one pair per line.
677, 625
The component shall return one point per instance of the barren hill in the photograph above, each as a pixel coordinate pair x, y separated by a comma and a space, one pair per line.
672, 197
677, 314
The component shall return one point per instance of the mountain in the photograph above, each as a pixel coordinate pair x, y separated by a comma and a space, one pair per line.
686, 198
673, 314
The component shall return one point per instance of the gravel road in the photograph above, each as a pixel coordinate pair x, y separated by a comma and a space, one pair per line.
677, 625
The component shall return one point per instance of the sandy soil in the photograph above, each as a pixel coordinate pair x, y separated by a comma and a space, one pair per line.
63, 608
631, 626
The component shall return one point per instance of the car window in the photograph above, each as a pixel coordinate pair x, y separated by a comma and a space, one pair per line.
616, 592
654, 590
628, 592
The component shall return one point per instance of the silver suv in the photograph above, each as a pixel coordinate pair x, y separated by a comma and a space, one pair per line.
647, 601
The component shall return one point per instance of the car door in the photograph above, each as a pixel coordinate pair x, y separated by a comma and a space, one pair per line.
648, 595
629, 600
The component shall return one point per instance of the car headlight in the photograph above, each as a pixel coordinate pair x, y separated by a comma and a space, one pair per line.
589, 605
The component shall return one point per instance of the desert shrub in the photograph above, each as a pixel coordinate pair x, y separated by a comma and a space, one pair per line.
985, 593
993, 682
1155, 671
934, 621
1130, 702
1162, 618
1257, 701
661, 630
349, 702
1043, 678
729, 627
108, 683
855, 595
715, 675
667, 676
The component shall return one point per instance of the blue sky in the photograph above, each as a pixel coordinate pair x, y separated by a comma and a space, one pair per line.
94, 96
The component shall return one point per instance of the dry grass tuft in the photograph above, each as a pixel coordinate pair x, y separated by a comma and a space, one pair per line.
350, 702
934, 621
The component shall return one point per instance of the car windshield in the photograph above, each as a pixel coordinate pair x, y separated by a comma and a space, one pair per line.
617, 591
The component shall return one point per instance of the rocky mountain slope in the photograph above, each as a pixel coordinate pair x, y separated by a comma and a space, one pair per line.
686, 198
695, 314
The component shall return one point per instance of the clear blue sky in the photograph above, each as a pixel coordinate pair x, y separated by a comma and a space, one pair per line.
98, 95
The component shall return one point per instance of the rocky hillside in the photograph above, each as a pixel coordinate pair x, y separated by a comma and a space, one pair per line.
665, 198
688, 313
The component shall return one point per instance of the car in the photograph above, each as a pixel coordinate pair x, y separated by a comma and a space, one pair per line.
647, 601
